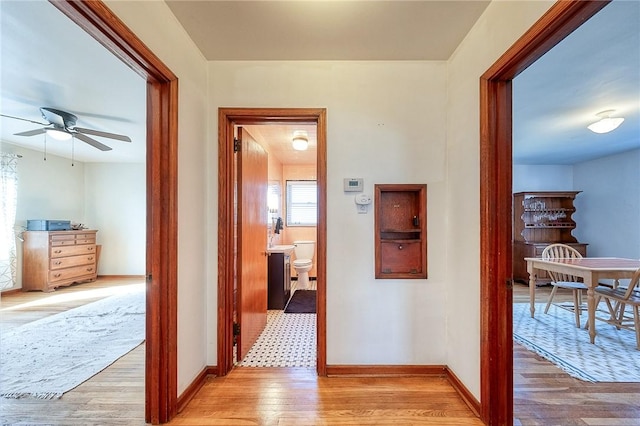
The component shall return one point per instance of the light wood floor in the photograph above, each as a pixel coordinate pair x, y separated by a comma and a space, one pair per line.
543, 394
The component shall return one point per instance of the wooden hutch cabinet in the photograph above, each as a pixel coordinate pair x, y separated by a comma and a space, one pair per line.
401, 231
539, 219
58, 258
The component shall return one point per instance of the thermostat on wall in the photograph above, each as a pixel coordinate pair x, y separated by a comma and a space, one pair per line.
353, 184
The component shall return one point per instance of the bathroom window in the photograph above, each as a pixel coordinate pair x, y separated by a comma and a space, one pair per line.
302, 203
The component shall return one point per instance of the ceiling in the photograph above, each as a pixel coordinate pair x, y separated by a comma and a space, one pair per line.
596, 68
327, 30
47, 61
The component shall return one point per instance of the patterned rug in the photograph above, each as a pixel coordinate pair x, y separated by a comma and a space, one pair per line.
612, 358
48, 357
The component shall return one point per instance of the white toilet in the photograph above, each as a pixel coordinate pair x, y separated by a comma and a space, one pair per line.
304, 261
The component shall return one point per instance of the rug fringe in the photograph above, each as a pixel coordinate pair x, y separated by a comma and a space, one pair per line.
562, 364
40, 395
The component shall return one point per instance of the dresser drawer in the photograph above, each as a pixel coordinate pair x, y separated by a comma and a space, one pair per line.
63, 240
79, 272
69, 261
64, 251
85, 239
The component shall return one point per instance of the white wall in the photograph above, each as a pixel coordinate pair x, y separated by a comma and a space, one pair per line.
157, 27
51, 189
115, 205
385, 124
542, 178
502, 23
608, 209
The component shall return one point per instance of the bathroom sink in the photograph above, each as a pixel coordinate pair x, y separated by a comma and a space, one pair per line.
282, 248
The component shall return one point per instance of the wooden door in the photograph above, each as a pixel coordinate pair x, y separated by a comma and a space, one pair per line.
252, 241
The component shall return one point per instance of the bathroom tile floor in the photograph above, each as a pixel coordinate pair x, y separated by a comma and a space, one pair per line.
288, 340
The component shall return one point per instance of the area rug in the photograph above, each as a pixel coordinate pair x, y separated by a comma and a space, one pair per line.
48, 357
302, 302
612, 358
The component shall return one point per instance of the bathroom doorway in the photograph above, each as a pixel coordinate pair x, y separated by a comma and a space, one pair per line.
257, 123
285, 331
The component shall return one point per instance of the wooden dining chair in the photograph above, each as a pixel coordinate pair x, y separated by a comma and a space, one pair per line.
617, 299
560, 280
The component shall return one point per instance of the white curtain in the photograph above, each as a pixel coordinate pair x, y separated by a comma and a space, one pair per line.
8, 203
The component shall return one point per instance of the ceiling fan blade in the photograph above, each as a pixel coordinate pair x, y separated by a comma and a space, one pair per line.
94, 143
31, 132
24, 119
103, 134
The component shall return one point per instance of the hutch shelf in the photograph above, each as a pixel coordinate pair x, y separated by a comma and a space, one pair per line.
539, 219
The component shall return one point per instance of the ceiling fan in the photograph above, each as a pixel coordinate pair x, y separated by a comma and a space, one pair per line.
61, 125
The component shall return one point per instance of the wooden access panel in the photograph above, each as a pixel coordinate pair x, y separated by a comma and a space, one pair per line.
401, 231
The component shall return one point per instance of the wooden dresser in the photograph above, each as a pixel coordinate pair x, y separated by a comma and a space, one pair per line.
58, 258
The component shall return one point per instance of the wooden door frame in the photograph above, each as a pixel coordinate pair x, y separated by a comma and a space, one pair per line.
496, 358
227, 118
162, 190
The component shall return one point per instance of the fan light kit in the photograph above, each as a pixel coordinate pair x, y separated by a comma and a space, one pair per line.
606, 123
60, 135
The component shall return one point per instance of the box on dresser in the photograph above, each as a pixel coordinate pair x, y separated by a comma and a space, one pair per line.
48, 225
58, 258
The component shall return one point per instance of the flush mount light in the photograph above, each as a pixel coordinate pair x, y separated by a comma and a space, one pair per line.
606, 122
58, 134
300, 140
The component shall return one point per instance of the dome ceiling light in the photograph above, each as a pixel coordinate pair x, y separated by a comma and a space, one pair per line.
300, 140
606, 123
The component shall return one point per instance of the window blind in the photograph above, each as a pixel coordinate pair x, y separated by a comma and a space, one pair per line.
302, 203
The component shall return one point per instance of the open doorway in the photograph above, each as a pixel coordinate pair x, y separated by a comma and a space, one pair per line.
496, 201
229, 121
284, 334
162, 178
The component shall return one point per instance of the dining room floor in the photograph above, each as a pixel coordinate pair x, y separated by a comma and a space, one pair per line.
543, 394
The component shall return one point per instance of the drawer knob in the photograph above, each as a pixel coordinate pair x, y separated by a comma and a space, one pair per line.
57, 251
400, 247
89, 248
90, 258
89, 269
58, 263
57, 275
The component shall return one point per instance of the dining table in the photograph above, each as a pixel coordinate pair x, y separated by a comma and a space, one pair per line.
590, 269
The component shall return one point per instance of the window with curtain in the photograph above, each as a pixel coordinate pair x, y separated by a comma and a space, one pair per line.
8, 204
302, 203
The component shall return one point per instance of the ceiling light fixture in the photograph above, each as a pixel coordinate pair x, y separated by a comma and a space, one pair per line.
300, 141
58, 134
606, 123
